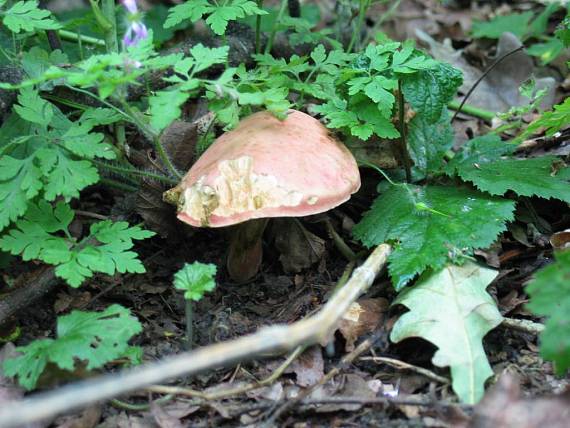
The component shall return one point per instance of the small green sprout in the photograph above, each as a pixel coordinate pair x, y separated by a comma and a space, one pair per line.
195, 280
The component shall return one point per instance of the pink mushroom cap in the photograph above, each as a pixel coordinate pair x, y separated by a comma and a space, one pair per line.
267, 167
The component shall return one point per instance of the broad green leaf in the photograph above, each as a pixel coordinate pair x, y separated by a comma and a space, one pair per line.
481, 163
195, 280
525, 177
550, 297
452, 309
428, 142
429, 91
26, 16
516, 23
432, 225
92, 337
546, 52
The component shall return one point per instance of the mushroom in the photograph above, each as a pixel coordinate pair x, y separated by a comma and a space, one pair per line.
264, 168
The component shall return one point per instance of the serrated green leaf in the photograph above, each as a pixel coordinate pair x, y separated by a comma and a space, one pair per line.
99, 116
26, 16
451, 309
37, 61
552, 121
206, 57
378, 90
192, 10
432, 224
480, 163
73, 272
30, 237
195, 280
428, 142
525, 177
230, 11
550, 297
108, 232
165, 107
429, 91
80, 141
64, 176
92, 337
112, 256
33, 108
516, 23
380, 120
20, 181
49, 218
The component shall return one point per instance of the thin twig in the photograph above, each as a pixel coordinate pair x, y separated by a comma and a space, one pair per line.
225, 393
406, 366
480, 79
346, 360
526, 326
279, 338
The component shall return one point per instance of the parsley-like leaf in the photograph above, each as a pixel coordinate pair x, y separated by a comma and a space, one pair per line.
195, 280
92, 337
26, 16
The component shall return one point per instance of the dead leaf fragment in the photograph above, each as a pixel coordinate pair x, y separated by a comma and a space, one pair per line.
163, 418
309, 367
361, 318
299, 248
560, 240
503, 407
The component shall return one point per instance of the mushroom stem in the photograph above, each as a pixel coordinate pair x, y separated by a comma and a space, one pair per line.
246, 251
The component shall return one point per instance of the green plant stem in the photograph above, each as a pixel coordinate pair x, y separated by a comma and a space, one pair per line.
189, 314
153, 137
112, 44
339, 243
118, 185
405, 156
74, 37
275, 26
258, 28
110, 27
487, 115
134, 171
364, 5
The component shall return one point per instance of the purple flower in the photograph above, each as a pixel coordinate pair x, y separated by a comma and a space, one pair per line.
136, 31
131, 6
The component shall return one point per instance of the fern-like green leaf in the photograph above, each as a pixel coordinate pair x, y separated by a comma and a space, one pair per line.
95, 338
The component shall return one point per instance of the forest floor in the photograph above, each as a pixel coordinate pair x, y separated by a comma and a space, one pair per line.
528, 386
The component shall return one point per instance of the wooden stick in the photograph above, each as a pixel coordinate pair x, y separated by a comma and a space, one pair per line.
267, 340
